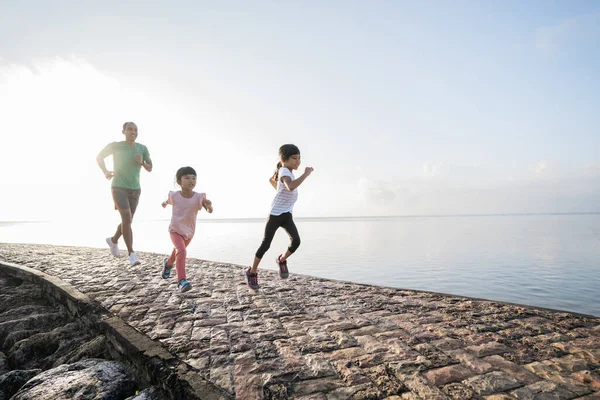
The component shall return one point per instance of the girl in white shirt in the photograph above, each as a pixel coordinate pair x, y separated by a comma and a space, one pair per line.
286, 184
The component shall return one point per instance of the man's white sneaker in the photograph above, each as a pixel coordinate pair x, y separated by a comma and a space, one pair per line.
114, 247
133, 260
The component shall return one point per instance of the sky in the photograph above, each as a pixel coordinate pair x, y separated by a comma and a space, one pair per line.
402, 107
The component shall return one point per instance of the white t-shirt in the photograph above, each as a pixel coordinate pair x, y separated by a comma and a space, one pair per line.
284, 199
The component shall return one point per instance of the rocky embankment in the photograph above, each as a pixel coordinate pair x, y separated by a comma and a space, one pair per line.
47, 354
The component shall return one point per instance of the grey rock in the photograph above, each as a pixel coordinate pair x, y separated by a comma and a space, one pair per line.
95, 348
44, 349
12, 381
91, 379
151, 393
3, 363
28, 309
14, 297
41, 321
17, 336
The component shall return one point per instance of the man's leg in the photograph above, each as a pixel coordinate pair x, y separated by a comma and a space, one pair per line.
126, 202
125, 228
117, 234
133, 196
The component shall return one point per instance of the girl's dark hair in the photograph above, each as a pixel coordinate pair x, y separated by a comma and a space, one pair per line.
285, 152
184, 171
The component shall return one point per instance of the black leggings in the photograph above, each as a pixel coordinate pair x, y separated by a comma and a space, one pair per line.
284, 221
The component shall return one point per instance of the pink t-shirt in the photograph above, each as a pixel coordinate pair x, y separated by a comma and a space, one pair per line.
185, 211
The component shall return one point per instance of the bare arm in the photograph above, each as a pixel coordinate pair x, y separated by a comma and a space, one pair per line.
100, 161
147, 165
293, 184
273, 182
207, 204
164, 203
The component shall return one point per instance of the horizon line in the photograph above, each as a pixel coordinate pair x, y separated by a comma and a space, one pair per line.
360, 217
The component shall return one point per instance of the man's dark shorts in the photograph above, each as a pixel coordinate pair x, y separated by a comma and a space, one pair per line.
126, 199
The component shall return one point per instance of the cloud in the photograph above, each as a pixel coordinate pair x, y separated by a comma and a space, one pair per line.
435, 169
582, 29
546, 187
541, 169
376, 191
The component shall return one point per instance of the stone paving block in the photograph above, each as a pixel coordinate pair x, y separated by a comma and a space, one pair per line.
477, 365
569, 363
223, 377
435, 357
422, 337
422, 388
371, 345
350, 353
182, 328
458, 391
401, 349
289, 354
492, 382
358, 392
322, 385
543, 390
387, 384
548, 371
220, 360
593, 396
407, 396
248, 387
591, 379
314, 396
199, 363
200, 333
488, 349
447, 344
319, 335
350, 373
574, 346
473, 338
405, 368
449, 374
369, 330
316, 366
344, 340
518, 372
373, 360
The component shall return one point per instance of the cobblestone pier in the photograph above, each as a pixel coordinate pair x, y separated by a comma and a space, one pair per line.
310, 338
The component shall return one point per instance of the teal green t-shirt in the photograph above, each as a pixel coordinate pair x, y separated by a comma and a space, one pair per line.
126, 169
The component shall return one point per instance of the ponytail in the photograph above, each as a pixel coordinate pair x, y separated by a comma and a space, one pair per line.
276, 173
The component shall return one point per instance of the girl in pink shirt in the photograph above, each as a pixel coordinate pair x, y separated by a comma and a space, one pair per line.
186, 204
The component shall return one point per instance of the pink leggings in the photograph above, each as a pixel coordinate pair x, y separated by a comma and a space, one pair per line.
179, 253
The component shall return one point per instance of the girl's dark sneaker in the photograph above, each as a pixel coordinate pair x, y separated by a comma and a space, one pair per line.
283, 269
252, 279
184, 286
166, 272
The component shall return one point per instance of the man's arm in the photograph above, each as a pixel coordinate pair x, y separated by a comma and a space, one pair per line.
100, 161
146, 164
147, 161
